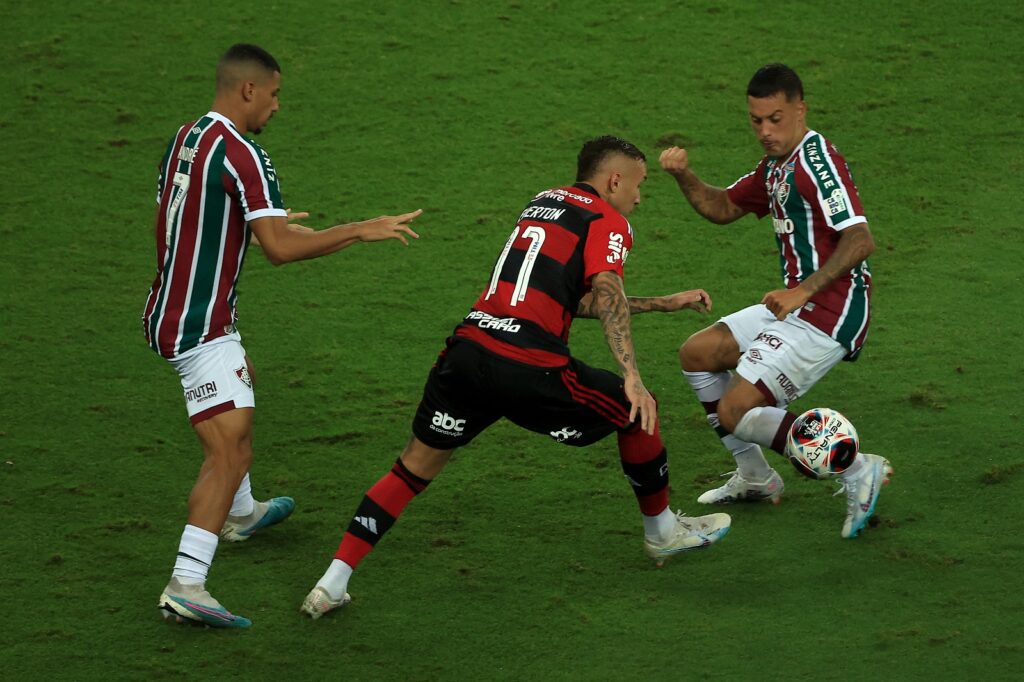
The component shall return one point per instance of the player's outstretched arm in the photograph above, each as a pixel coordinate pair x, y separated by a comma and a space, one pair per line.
855, 245
613, 311
292, 216
694, 299
711, 202
283, 243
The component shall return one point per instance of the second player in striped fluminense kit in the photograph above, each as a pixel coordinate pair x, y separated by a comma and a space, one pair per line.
781, 347
216, 189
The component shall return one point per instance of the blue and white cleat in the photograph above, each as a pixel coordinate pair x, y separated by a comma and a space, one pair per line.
192, 603
862, 492
239, 528
691, 532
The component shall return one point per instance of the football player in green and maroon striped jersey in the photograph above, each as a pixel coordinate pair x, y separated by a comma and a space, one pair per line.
216, 189
782, 346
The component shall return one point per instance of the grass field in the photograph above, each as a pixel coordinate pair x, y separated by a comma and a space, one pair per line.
523, 560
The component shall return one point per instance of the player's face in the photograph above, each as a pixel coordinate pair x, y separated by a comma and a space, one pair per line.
625, 184
264, 102
778, 123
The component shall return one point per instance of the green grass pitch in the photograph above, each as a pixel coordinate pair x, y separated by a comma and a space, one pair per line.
523, 560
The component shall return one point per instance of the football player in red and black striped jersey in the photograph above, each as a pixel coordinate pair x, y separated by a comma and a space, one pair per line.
509, 357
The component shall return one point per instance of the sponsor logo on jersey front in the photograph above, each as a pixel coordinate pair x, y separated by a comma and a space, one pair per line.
501, 324
783, 225
201, 393
446, 424
565, 433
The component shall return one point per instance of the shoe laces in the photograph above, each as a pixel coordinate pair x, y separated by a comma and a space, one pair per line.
683, 520
850, 488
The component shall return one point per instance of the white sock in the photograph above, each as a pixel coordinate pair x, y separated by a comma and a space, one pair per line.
195, 554
750, 461
659, 528
760, 424
243, 503
335, 580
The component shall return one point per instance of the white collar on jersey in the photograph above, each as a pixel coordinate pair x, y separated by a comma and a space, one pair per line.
221, 117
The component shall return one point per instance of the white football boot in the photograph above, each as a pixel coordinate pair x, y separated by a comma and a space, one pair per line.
690, 532
862, 492
318, 602
740, 489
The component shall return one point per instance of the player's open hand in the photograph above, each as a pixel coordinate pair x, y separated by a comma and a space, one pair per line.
674, 160
784, 301
695, 299
389, 227
641, 403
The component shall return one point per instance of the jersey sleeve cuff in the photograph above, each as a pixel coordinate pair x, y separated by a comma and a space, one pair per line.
265, 212
850, 222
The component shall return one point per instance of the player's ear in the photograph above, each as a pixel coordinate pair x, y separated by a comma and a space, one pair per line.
614, 180
248, 91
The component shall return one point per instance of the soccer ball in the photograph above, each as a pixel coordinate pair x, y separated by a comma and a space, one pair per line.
822, 443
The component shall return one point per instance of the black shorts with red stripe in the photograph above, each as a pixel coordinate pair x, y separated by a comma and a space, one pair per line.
470, 388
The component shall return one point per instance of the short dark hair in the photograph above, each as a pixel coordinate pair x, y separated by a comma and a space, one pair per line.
771, 79
597, 150
240, 54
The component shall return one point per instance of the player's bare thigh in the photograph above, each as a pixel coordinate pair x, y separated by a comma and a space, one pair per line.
712, 349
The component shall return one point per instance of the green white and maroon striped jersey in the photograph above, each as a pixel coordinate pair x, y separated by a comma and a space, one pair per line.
212, 182
811, 198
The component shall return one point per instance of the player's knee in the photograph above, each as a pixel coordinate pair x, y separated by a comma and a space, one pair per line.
693, 356
730, 412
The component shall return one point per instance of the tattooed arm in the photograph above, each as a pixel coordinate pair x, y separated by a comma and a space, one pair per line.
695, 299
609, 302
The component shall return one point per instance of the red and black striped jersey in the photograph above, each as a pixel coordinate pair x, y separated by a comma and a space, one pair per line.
212, 182
562, 239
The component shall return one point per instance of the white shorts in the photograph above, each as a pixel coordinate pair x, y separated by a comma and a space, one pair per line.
215, 377
783, 359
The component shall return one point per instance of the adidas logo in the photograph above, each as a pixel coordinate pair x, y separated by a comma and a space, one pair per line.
368, 522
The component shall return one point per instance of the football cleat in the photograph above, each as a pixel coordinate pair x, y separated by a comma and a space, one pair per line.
691, 532
192, 603
318, 602
740, 489
239, 528
862, 492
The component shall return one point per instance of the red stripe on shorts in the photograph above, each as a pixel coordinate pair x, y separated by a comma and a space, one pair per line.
212, 412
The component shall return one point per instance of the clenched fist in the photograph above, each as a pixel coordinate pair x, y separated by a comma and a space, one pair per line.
674, 161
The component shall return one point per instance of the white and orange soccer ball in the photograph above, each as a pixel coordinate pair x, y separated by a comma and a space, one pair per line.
822, 443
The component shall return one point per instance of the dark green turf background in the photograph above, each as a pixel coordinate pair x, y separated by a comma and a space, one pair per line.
523, 560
